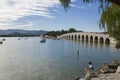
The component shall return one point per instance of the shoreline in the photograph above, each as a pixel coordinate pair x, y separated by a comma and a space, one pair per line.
108, 71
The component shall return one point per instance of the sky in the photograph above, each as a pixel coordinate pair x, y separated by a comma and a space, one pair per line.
49, 15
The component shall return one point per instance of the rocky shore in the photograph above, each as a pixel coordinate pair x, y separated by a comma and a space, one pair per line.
109, 71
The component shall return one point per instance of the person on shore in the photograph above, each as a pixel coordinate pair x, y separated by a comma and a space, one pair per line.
91, 66
89, 72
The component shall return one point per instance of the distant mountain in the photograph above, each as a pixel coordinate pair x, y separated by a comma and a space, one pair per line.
19, 31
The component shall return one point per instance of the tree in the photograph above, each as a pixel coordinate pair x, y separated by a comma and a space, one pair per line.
72, 30
63, 31
110, 18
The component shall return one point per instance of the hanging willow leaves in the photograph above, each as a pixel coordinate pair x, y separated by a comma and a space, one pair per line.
65, 3
103, 3
110, 20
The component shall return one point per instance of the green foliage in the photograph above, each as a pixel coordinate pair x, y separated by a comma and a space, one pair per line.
72, 30
58, 33
110, 20
103, 3
65, 3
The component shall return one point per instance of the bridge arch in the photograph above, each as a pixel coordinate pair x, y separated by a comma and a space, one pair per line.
91, 38
101, 40
87, 38
107, 40
96, 39
75, 37
78, 37
82, 37
72, 37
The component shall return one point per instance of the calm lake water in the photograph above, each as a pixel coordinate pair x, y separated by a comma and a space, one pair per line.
28, 59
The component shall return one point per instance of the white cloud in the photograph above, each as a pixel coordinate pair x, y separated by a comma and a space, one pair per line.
12, 10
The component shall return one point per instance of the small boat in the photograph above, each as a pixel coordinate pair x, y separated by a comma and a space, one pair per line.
43, 40
18, 38
3, 39
1, 42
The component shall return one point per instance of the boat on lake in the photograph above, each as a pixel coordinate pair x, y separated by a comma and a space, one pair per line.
18, 38
3, 39
43, 40
1, 42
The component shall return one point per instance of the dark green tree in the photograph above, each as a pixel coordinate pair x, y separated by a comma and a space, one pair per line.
71, 30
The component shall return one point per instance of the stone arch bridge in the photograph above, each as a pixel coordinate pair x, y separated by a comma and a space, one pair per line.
89, 36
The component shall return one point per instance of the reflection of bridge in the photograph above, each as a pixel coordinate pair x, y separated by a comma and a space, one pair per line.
94, 37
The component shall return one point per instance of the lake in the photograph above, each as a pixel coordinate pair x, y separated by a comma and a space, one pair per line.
28, 59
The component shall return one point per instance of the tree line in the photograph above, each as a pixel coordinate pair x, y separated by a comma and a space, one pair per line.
58, 33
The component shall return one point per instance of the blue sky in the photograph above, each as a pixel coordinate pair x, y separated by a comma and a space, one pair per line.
48, 15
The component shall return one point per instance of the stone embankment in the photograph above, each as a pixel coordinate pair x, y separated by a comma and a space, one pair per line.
106, 72
109, 76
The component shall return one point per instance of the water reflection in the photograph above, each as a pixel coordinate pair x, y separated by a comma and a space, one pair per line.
93, 44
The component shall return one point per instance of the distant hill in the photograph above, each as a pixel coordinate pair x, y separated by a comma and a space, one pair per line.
22, 32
